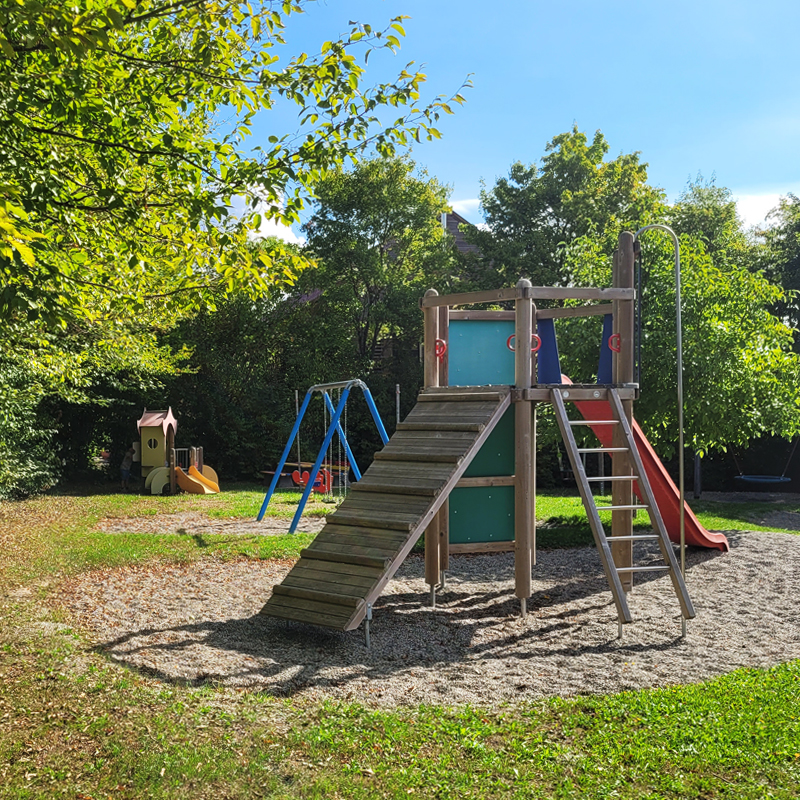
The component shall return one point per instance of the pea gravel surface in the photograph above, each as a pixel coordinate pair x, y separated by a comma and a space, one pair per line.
199, 623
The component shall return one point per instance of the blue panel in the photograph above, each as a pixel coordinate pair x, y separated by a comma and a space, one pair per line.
548, 365
604, 369
477, 352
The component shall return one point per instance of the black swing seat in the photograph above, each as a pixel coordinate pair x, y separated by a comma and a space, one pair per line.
762, 480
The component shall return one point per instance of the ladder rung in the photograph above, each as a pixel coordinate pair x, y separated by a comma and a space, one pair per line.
594, 422
622, 508
634, 538
613, 478
642, 569
603, 450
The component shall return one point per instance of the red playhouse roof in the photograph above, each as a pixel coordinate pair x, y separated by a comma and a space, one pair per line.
154, 419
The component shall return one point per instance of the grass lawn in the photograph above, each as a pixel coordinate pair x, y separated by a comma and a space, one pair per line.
73, 724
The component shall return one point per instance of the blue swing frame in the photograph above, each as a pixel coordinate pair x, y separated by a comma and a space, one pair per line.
335, 427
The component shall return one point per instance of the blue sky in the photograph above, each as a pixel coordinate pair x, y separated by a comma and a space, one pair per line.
705, 87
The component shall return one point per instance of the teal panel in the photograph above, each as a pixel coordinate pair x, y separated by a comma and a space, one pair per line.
477, 352
482, 514
496, 457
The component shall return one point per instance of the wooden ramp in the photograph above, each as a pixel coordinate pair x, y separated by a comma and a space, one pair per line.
366, 539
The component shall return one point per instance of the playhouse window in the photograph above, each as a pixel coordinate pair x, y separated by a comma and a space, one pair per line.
152, 443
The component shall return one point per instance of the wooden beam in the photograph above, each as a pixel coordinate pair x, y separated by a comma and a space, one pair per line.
524, 518
482, 547
581, 293
431, 318
622, 371
482, 314
542, 395
468, 298
575, 311
492, 480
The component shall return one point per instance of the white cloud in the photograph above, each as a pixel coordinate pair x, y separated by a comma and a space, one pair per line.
268, 227
467, 208
753, 208
272, 227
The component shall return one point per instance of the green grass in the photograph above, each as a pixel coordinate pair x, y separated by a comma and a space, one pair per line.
75, 725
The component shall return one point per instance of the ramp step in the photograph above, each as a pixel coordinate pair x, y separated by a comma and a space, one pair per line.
383, 543
346, 548
427, 456
594, 422
452, 438
634, 507
613, 478
635, 538
313, 594
405, 504
460, 397
315, 578
346, 558
343, 571
408, 425
310, 611
356, 531
360, 517
430, 490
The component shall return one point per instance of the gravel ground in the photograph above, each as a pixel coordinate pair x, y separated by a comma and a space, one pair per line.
199, 623
193, 523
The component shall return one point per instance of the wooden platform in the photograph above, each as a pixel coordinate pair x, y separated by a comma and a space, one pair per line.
366, 539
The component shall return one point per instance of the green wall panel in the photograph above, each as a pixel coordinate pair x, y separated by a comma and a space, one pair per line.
482, 514
496, 457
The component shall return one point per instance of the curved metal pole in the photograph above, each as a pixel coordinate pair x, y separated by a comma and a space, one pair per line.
679, 337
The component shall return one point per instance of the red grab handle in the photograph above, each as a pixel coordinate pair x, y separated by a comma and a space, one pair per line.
614, 342
440, 348
534, 349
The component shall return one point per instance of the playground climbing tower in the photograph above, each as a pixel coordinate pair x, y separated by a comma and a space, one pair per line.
406, 490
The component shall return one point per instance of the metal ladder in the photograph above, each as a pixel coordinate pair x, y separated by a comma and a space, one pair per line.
612, 571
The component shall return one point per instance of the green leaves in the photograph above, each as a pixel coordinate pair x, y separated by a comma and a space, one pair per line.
116, 152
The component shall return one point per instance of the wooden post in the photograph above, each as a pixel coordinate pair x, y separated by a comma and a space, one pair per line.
524, 520
623, 363
444, 380
431, 378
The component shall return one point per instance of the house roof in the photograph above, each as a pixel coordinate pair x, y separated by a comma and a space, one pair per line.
155, 419
452, 224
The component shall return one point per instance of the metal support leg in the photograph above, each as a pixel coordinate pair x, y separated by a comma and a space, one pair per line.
366, 626
619, 630
683, 627
433, 597
523, 607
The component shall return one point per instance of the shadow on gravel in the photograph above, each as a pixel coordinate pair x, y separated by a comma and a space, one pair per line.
469, 625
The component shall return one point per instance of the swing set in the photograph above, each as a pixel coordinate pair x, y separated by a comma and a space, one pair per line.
320, 477
766, 480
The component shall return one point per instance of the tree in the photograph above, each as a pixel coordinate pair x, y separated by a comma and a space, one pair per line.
537, 212
117, 171
740, 375
782, 239
123, 144
560, 223
377, 237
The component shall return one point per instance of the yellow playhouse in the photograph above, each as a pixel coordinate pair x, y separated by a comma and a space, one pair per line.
160, 459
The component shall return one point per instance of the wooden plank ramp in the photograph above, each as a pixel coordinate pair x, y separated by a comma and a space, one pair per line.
368, 537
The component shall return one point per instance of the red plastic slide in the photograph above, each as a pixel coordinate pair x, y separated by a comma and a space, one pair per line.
665, 491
